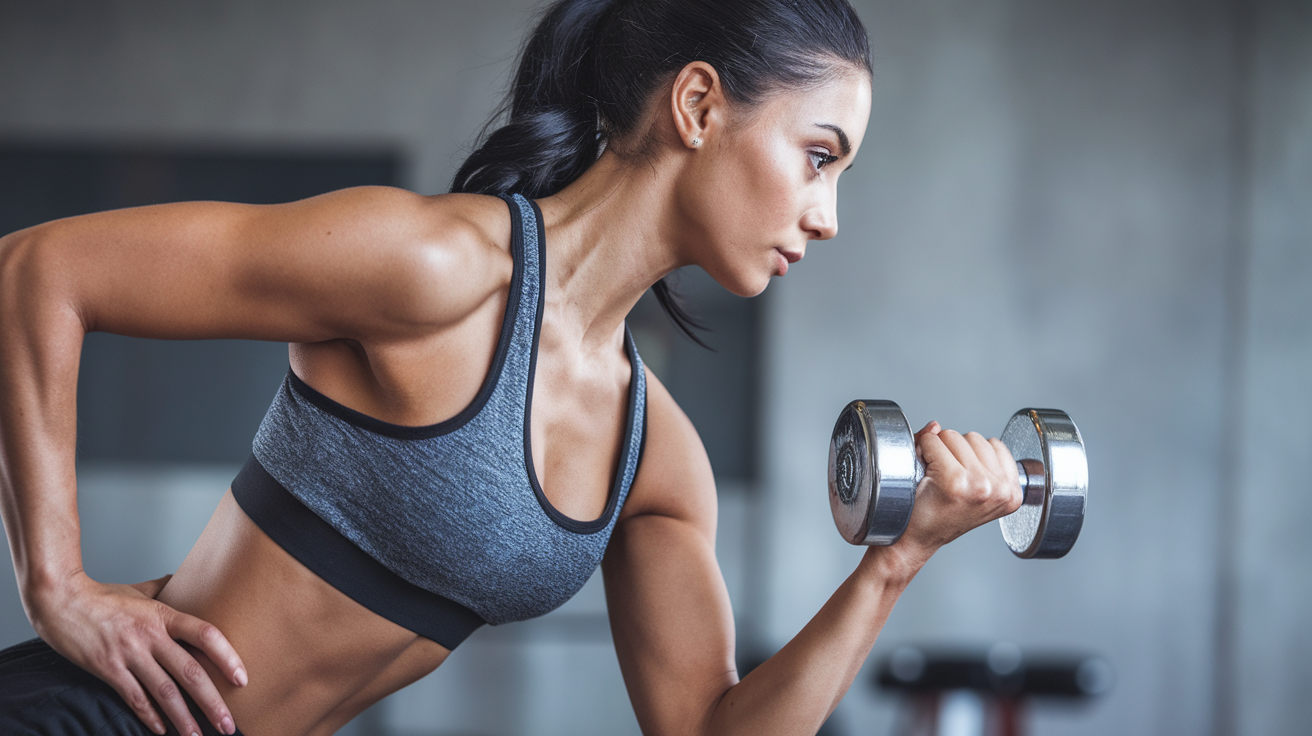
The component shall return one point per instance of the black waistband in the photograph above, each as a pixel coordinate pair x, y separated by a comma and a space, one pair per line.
346, 567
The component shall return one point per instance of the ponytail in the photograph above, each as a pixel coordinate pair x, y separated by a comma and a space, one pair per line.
589, 68
551, 136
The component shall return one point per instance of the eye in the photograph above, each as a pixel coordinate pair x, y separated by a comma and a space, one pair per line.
821, 158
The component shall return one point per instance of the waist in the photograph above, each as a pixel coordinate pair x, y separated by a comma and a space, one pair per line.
319, 546
315, 657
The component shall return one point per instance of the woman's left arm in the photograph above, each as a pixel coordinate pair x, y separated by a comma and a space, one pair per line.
670, 612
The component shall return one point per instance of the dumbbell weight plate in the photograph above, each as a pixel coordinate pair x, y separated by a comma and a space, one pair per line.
873, 472
1046, 443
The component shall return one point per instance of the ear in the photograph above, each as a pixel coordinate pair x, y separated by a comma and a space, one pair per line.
698, 103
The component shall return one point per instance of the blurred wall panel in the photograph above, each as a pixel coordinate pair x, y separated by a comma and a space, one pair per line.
422, 75
1273, 494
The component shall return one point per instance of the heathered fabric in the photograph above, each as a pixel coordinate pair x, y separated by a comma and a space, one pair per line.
457, 513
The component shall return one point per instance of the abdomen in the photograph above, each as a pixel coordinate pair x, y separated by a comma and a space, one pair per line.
315, 657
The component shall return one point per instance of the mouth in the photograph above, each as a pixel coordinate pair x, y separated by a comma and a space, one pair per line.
784, 258
792, 256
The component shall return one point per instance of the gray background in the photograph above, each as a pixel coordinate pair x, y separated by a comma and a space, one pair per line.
1098, 206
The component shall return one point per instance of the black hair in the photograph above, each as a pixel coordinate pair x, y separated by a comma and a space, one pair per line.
588, 70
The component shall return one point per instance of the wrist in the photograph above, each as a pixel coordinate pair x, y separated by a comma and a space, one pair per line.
50, 588
896, 565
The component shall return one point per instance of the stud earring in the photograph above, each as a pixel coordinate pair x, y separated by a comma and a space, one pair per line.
696, 142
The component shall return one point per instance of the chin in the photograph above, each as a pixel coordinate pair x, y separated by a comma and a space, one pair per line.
742, 278
748, 286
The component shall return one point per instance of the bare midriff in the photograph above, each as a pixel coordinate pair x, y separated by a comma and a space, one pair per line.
315, 657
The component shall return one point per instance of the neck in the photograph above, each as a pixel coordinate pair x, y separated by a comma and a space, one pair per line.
609, 238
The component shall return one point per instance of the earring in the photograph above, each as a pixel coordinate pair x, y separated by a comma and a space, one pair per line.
696, 142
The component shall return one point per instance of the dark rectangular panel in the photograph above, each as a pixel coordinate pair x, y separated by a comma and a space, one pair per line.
719, 388
151, 400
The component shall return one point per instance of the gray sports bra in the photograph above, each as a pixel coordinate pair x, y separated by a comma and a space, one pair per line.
440, 528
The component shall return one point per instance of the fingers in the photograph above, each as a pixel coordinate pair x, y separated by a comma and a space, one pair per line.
129, 689
984, 452
166, 694
170, 667
1011, 472
960, 448
128, 640
207, 638
973, 468
191, 675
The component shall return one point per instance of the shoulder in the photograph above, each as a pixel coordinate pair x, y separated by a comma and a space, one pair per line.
674, 478
422, 261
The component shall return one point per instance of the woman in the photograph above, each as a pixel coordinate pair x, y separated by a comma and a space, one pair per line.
466, 429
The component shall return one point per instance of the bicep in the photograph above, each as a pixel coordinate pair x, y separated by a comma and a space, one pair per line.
669, 608
671, 620
336, 265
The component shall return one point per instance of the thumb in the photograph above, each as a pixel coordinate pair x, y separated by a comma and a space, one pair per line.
151, 588
929, 430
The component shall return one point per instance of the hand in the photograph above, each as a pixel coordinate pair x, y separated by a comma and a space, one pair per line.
969, 481
122, 635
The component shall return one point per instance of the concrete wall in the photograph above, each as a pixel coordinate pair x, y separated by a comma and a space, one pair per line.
1273, 443
1039, 218
1084, 205
421, 75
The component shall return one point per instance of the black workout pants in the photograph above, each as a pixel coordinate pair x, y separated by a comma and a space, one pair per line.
44, 694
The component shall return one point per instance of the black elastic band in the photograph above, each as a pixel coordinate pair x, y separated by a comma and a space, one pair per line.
346, 567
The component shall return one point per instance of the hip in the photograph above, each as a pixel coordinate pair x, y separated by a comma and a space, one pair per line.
44, 694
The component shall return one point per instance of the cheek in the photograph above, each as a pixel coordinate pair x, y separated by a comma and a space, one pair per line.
763, 192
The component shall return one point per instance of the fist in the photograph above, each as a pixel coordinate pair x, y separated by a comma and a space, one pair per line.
969, 481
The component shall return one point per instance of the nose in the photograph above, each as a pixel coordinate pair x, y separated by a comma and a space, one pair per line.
821, 221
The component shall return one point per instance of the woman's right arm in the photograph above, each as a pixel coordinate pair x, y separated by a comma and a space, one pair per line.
359, 264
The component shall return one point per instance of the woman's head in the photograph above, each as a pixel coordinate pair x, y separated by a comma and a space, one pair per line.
590, 70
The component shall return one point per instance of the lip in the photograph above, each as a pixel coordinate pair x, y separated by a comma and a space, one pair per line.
791, 256
786, 257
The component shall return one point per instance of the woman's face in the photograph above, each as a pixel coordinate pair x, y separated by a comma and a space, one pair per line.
766, 182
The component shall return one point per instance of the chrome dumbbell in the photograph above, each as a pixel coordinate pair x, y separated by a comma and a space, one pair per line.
874, 472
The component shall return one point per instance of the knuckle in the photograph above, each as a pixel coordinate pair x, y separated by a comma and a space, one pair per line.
1015, 502
209, 633
192, 672
166, 690
141, 628
957, 485
139, 703
164, 615
104, 661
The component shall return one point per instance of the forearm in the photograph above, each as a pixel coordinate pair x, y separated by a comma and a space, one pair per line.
40, 345
796, 689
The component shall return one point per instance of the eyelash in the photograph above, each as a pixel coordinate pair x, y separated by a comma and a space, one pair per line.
824, 159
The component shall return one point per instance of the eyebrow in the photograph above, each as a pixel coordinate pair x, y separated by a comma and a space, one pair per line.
843, 143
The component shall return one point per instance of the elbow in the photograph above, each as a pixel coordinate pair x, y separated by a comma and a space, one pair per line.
26, 283
14, 250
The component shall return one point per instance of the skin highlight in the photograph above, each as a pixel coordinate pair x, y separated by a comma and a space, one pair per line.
391, 305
